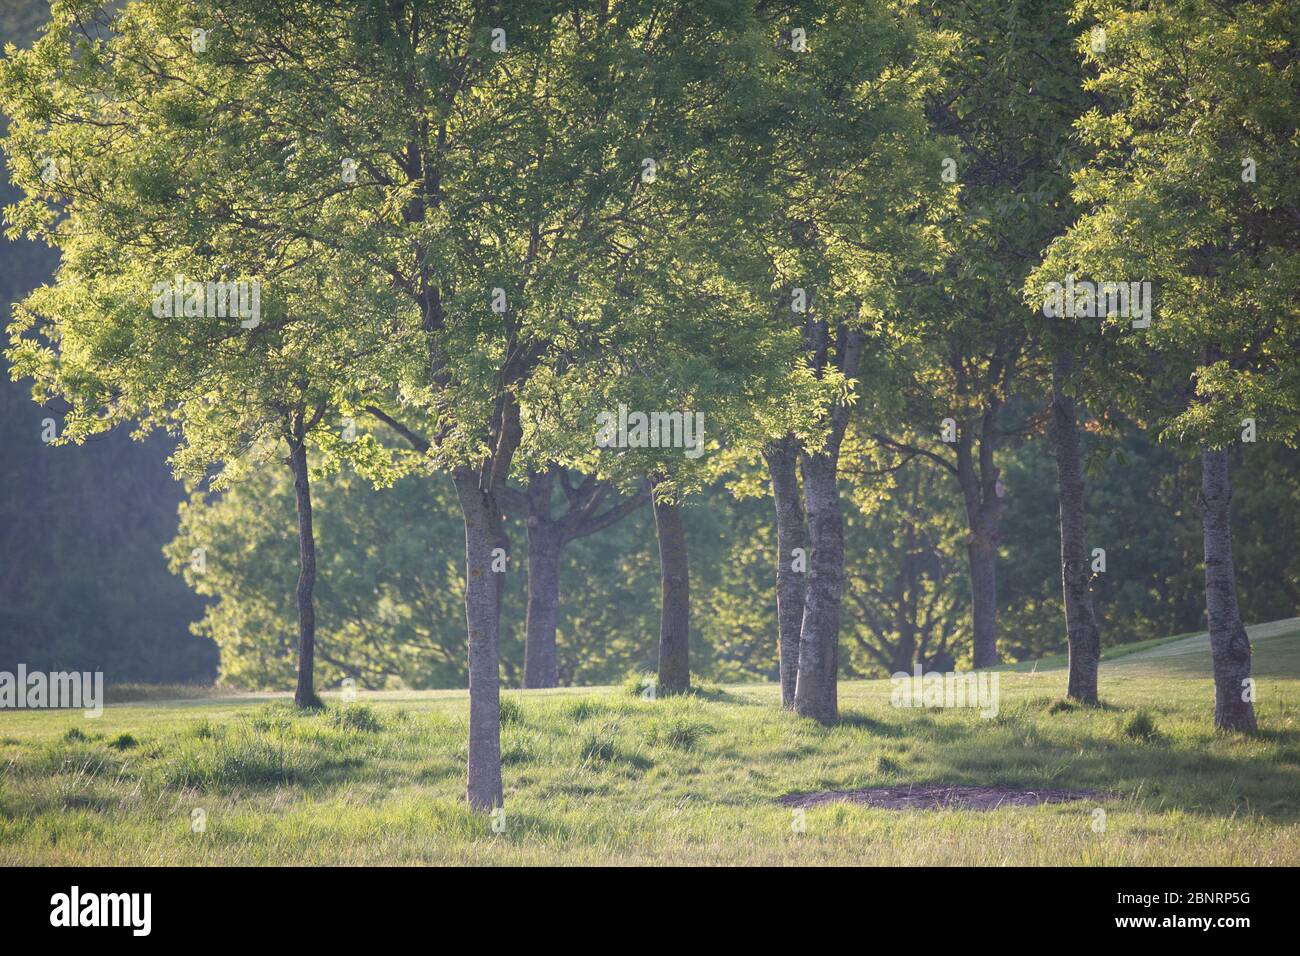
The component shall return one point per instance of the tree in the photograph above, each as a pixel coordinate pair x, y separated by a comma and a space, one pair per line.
677, 386
1009, 95
782, 460
681, 335
842, 216
82, 584
386, 616
1081, 632
1189, 191
482, 192
128, 332
903, 538
548, 535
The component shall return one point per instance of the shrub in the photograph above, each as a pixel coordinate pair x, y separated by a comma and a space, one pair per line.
511, 712
598, 746
676, 731
1139, 726
354, 717
584, 708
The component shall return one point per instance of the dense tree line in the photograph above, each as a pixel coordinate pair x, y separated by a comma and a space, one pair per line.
389, 615
400, 267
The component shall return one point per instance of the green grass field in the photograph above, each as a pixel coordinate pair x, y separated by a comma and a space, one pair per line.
596, 775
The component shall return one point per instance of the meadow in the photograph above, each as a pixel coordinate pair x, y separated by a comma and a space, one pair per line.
601, 776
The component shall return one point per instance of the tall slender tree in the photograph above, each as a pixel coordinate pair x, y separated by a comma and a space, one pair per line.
782, 460
439, 157
839, 164
1189, 190
1009, 96
161, 314
1081, 633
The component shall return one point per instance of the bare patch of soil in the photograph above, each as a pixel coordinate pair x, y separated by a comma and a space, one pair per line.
938, 798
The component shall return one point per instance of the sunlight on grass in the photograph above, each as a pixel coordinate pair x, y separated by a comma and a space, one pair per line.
598, 775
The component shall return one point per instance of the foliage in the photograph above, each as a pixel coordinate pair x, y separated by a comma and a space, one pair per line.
1190, 188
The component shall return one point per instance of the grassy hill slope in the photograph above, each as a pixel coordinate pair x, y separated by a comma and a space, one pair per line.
597, 775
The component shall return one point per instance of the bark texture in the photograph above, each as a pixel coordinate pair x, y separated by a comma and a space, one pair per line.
783, 463
544, 545
816, 693
1081, 631
1229, 645
540, 660
304, 694
675, 590
482, 616
978, 477
981, 553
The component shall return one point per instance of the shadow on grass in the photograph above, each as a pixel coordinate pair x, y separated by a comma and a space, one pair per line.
1177, 772
1028, 745
857, 720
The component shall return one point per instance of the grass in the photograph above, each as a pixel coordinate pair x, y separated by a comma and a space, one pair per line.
1139, 725
127, 693
1109, 654
599, 775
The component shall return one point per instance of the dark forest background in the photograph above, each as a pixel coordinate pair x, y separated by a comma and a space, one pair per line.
83, 581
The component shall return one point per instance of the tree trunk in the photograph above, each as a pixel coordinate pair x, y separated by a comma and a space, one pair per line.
675, 617
907, 586
482, 617
905, 651
1081, 632
983, 513
782, 462
543, 605
982, 553
1229, 645
304, 694
547, 539
816, 693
